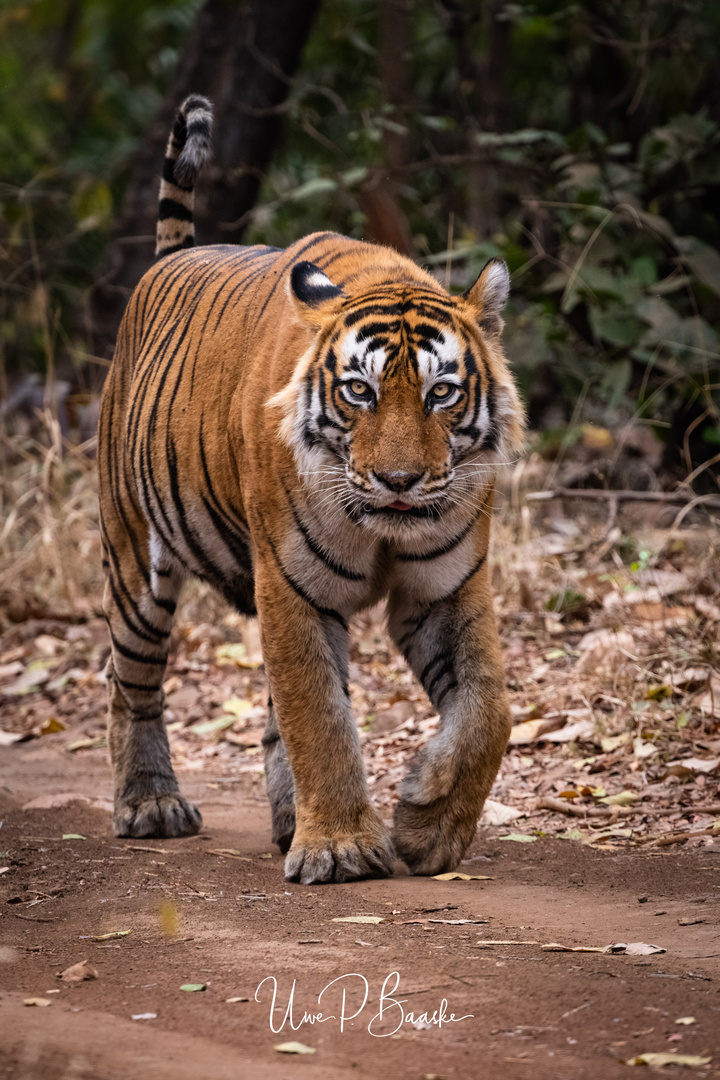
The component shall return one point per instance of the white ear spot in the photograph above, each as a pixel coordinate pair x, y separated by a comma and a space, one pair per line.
310, 286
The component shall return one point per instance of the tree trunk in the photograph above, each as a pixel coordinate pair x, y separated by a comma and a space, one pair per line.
385, 219
483, 95
242, 56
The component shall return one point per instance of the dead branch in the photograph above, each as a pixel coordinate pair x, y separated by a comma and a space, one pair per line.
675, 498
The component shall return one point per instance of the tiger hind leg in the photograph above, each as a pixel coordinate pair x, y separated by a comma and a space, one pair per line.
280, 784
139, 605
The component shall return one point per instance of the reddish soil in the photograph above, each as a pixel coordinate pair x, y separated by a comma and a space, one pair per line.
230, 922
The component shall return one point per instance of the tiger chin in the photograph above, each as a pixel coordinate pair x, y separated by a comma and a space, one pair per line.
310, 430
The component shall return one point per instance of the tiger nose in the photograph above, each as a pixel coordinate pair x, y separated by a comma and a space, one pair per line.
399, 480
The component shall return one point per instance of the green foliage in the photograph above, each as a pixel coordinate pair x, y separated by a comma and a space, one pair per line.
81, 82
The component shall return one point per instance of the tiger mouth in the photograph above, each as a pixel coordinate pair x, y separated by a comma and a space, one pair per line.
395, 512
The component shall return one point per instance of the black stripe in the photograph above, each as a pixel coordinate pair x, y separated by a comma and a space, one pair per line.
448, 546
336, 568
171, 208
136, 657
330, 613
137, 686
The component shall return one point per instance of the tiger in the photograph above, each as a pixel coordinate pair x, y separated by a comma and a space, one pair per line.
311, 430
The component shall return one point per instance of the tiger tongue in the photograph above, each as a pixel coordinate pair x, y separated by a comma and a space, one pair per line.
398, 505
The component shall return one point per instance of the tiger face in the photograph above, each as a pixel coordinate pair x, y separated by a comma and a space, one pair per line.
403, 406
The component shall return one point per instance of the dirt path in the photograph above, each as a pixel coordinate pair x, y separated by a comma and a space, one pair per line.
195, 916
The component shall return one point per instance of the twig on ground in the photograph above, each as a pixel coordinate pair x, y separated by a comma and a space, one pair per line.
672, 497
559, 806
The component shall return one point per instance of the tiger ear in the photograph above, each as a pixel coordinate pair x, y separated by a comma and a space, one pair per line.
488, 296
316, 298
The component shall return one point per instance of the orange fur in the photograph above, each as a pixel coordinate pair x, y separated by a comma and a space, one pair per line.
280, 424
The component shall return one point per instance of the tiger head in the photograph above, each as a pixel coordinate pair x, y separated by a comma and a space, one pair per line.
403, 406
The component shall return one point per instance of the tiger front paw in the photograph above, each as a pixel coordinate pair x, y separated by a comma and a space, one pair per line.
160, 816
319, 860
432, 839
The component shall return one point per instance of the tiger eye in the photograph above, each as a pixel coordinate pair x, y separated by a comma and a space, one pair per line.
442, 390
360, 389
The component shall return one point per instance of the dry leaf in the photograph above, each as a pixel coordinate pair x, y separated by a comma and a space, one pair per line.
634, 948
40, 1002
234, 1000
455, 875
294, 1048
111, 936
623, 798
237, 706
521, 838
685, 1020
657, 1061
374, 919
144, 1016
51, 726
193, 988
497, 813
79, 972
693, 765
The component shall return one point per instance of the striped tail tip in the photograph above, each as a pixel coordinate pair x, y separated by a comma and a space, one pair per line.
188, 149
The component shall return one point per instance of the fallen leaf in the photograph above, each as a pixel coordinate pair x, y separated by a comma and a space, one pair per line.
658, 691
455, 875
634, 948
294, 1048
86, 744
531, 730
237, 706
144, 1016
73, 836
28, 682
604, 649
51, 726
521, 838
691, 921
623, 798
234, 1000
79, 972
374, 919
643, 748
608, 743
169, 918
693, 765
497, 813
40, 1002
4, 869
213, 727
265, 855
692, 1061
234, 655
686, 1020
7, 738
193, 988
111, 936
228, 853
581, 730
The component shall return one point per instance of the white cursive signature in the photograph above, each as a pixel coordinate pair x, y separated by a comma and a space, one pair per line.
348, 989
